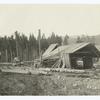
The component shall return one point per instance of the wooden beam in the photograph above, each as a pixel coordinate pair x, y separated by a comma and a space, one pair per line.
82, 52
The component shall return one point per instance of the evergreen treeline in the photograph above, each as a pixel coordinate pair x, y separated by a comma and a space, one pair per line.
26, 48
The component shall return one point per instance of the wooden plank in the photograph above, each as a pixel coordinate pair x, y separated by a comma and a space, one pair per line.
66, 60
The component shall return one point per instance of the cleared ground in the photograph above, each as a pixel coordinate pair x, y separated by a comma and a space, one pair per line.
55, 83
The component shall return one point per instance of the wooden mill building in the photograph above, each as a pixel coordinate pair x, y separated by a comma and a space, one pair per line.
78, 55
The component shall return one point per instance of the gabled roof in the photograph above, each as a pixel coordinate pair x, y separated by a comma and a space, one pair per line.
71, 48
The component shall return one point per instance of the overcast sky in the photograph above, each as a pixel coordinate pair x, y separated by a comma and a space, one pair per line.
61, 19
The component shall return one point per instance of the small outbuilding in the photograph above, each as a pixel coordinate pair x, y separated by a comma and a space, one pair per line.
77, 56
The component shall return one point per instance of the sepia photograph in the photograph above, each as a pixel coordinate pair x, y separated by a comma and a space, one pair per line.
49, 49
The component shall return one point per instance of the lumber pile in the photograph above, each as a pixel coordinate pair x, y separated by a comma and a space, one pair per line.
48, 63
67, 70
5, 64
28, 62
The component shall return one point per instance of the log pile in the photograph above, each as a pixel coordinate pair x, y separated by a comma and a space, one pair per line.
48, 63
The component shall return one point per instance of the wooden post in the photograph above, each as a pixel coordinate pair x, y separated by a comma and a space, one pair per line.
27, 53
6, 56
39, 42
11, 55
16, 47
0, 56
40, 55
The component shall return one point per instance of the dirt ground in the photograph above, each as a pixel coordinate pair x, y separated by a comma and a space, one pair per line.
56, 83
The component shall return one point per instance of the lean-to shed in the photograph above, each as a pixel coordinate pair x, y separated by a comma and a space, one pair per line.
49, 50
78, 55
